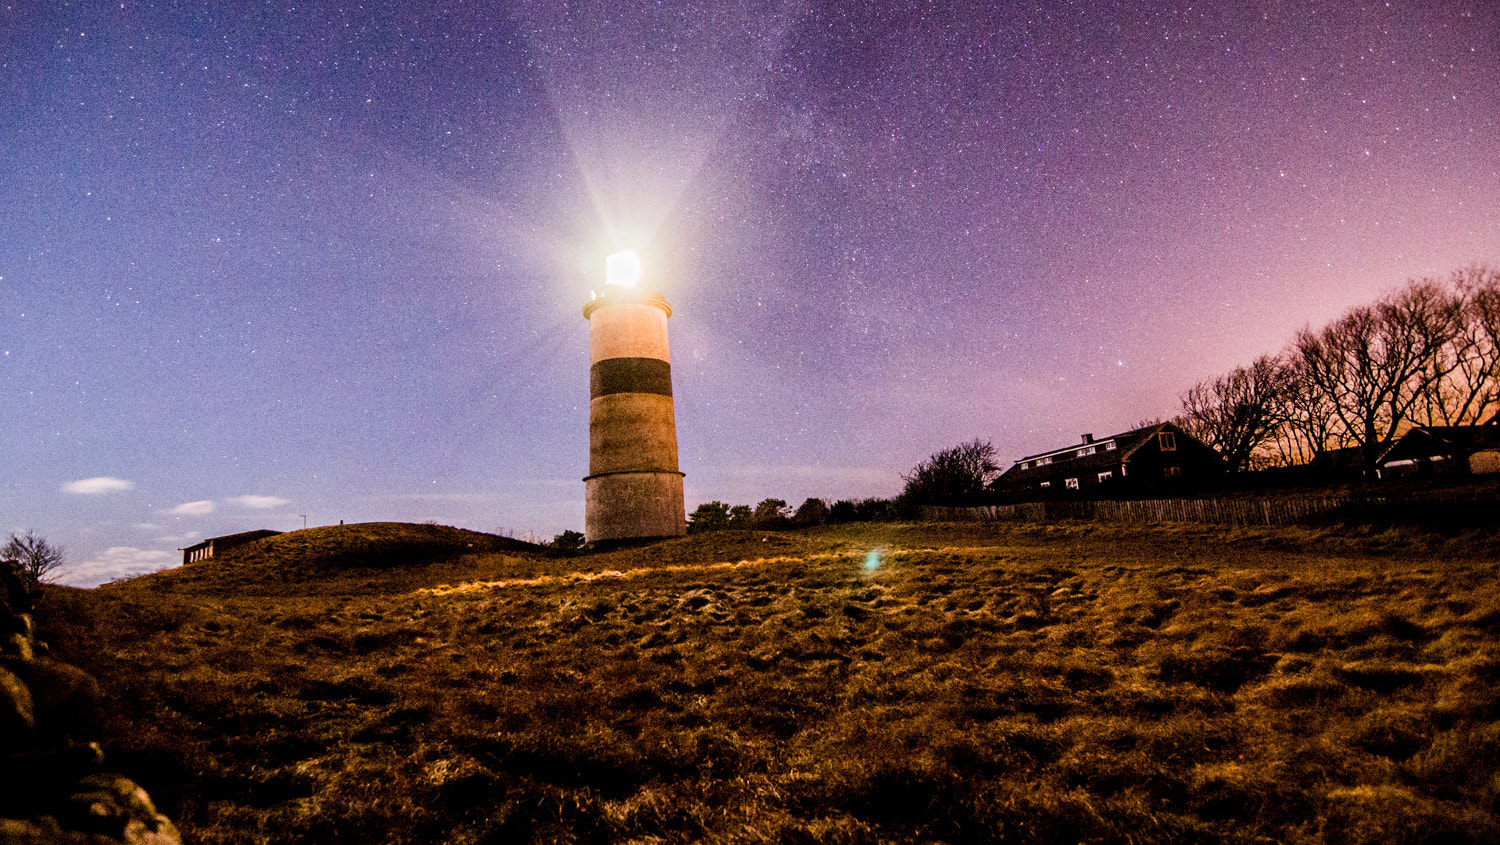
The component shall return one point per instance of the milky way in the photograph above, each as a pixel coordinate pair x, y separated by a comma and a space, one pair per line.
263, 264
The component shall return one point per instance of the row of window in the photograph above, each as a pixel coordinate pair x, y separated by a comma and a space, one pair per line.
1085, 451
1165, 440
1072, 483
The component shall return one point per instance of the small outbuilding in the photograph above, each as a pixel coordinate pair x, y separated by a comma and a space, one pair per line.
1444, 450
1154, 457
216, 545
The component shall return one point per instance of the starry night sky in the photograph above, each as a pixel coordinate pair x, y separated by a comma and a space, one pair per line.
267, 260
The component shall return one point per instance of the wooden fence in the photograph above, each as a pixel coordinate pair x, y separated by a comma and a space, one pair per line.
1286, 511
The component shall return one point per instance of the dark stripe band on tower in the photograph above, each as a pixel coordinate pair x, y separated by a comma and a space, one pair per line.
630, 375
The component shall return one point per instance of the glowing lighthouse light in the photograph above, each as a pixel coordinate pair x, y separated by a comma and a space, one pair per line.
623, 269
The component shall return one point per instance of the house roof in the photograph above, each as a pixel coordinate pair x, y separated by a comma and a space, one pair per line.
1067, 459
242, 537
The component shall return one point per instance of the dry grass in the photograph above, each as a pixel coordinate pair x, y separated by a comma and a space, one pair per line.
937, 683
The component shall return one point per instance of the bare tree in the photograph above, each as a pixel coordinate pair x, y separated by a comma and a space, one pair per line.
1237, 413
1470, 393
1374, 364
1426, 353
954, 477
1309, 424
36, 556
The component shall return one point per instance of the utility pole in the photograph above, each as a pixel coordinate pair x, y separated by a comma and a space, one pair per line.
304, 519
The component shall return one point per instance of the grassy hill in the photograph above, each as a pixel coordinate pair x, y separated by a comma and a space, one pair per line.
333, 557
940, 683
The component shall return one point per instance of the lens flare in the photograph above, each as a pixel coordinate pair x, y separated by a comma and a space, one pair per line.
873, 560
623, 269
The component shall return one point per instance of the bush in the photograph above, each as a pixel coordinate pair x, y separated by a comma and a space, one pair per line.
568, 541
844, 510
863, 510
771, 514
710, 516
811, 512
877, 510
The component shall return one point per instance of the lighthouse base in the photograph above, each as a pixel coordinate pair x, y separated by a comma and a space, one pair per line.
629, 506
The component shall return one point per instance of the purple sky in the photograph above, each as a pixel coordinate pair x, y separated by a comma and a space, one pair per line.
265, 260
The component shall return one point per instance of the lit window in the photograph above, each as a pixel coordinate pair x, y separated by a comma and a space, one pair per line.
1167, 440
1109, 447
1025, 465
1072, 484
1087, 450
1046, 484
1106, 475
1171, 472
1043, 461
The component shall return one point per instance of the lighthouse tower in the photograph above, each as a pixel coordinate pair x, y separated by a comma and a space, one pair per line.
633, 490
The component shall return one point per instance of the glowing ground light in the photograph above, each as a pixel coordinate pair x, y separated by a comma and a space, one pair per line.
623, 269
872, 560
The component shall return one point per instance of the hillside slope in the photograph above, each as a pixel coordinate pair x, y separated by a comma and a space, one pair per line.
852, 684
323, 558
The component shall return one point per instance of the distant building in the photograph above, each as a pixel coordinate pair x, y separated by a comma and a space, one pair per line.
1343, 463
215, 545
1444, 450
1156, 457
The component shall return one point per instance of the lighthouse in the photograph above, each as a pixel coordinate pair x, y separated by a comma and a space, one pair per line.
633, 490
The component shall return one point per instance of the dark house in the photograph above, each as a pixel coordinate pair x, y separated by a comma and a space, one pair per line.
1444, 450
1159, 457
217, 545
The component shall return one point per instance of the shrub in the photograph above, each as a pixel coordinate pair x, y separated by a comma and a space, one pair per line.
810, 512
771, 514
568, 541
844, 510
710, 516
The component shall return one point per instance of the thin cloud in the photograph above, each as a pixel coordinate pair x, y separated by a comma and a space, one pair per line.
96, 486
193, 508
177, 538
259, 502
112, 564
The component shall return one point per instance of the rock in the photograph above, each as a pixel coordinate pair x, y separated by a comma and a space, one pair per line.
34, 783
65, 699
20, 646
16, 588
116, 806
51, 790
42, 831
17, 716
